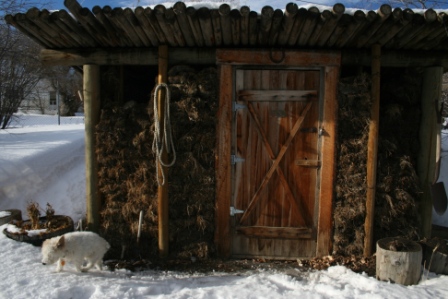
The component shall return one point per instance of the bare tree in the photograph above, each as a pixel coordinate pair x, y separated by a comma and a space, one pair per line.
19, 65
20, 70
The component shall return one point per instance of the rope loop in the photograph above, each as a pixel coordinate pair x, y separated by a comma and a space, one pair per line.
163, 140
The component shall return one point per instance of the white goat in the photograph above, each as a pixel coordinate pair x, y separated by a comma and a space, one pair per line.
75, 247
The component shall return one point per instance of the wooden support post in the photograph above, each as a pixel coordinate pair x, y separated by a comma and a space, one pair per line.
222, 162
163, 206
328, 168
429, 134
372, 150
92, 115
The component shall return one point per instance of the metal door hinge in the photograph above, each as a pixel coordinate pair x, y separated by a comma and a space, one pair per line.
234, 211
237, 106
234, 159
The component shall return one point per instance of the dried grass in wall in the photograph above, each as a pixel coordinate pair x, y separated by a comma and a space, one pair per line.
398, 187
127, 175
397, 183
353, 130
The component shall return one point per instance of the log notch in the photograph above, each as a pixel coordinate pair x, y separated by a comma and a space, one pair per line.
235, 20
398, 260
265, 25
151, 16
116, 39
41, 20
159, 12
253, 28
224, 12
146, 25
180, 9
429, 131
341, 29
431, 23
360, 20
297, 27
386, 28
383, 13
437, 36
195, 26
65, 18
331, 24
372, 150
308, 26
277, 18
88, 21
21, 22
408, 33
216, 22
321, 25
401, 20
245, 11
287, 23
206, 26
91, 84
171, 20
118, 18
134, 24
399, 27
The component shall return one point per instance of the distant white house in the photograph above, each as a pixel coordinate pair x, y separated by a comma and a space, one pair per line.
42, 100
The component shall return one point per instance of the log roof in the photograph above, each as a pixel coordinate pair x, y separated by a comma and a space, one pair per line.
182, 26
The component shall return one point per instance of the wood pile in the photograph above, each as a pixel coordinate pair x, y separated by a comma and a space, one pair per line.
182, 26
127, 175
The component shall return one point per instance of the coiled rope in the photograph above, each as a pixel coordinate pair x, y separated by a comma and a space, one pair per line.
166, 140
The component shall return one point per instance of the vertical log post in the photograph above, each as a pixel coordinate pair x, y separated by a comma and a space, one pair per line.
162, 192
372, 151
91, 84
429, 133
222, 161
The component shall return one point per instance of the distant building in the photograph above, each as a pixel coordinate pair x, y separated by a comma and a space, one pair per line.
42, 100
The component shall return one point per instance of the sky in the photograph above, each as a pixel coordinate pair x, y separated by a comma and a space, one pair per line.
363, 4
46, 164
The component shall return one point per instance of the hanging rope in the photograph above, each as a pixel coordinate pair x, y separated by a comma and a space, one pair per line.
162, 140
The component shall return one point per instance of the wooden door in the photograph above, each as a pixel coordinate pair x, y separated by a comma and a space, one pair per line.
275, 162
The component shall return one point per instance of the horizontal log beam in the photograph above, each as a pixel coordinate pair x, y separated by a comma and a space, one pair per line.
148, 56
395, 58
135, 56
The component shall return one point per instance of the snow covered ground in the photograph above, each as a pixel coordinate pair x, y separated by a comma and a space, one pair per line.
46, 164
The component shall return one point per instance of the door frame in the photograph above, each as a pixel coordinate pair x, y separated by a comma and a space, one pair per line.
227, 60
